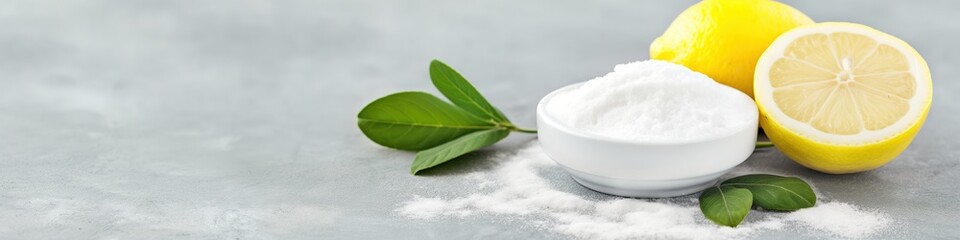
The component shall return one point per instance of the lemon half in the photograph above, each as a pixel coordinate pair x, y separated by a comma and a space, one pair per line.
841, 97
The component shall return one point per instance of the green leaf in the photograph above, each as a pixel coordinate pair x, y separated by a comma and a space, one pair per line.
447, 151
725, 205
456, 88
416, 121
776, 192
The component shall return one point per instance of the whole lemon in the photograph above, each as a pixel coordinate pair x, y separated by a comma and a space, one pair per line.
724, 38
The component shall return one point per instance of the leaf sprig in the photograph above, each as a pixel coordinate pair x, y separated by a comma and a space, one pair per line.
440, 131
728, 203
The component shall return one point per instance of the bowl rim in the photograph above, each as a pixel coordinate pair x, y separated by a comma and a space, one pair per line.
550, 120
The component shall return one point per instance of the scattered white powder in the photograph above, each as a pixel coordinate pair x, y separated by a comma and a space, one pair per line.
841, 219
515, 188
653, 100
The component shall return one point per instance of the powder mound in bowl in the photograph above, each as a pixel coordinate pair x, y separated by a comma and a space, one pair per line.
653, 101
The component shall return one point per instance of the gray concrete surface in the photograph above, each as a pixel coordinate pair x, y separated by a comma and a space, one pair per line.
235, 119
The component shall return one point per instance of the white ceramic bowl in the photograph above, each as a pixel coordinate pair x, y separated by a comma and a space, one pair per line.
642, 169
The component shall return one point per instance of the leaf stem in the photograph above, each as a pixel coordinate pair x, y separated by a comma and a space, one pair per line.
764, 144
523, 130
511, 127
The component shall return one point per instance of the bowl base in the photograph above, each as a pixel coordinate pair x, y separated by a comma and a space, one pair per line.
645, 189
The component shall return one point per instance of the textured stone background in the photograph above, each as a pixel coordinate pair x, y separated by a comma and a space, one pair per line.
235, 119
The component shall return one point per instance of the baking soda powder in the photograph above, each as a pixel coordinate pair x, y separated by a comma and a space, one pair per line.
516, 189
653, 101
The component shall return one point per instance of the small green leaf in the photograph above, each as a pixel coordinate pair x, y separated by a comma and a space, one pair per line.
456, 88
725, 205
450, 150
776, 192
416, 121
